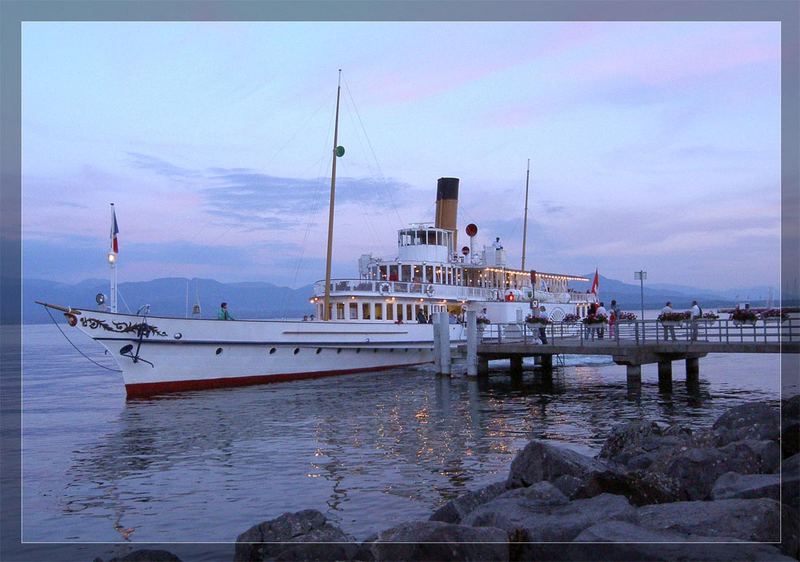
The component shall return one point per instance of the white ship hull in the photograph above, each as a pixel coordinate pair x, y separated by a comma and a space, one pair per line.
160, 354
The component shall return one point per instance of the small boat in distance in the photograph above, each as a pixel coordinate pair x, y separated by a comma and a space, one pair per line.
378, 321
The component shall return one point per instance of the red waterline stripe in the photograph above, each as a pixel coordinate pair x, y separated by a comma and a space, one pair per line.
145, 389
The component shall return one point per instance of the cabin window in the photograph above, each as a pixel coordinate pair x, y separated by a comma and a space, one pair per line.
393, 274
431, 237
390, 311
405, 273
365, 313
438, 275
417, 274
425, 308
353, 311
429, 274
383, 272
438, 238
400, 312
420, 237
409, 311
378, 311
340, 311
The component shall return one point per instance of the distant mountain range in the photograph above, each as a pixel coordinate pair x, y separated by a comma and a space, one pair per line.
167, 297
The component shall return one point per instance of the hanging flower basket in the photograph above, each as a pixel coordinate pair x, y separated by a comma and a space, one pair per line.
673, 318
774, 316
625, 317
571, 319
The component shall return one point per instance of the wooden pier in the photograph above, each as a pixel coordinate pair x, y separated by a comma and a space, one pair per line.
631, 344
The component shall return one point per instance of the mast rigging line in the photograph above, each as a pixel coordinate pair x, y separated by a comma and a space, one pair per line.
374, 156
76, 347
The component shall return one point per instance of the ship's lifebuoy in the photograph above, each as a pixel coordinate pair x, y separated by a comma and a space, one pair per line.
510, 296
429, 290
384, 288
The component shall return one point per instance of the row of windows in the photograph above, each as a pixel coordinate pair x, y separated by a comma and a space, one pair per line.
424, 237
415, 273
382, 311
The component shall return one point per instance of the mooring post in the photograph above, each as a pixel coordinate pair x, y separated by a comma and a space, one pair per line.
483, 366
472, 343
664, 372
634, 373
692, 369
546, 362
444, 339
516, 365
437, 344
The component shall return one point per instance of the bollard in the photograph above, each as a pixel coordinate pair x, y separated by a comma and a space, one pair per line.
444, 343
472, 343
437, 344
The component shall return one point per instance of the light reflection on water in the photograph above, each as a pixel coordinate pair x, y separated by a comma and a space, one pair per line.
368, 450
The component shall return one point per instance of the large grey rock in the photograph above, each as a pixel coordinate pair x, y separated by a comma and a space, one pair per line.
294, 536
791, 481
636, 444
455, 510
542, 461
733, 485
640, 487
541, 521
696, 469
790, 439
568, 485
543, 491
757, 420
755, 520
791, 408
630, 543
434, 541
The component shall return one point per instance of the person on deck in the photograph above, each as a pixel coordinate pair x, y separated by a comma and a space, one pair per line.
668, 330
421, 316
223, 313
601, 312
695, 313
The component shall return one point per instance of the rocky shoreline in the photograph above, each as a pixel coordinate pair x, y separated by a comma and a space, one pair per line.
727, 492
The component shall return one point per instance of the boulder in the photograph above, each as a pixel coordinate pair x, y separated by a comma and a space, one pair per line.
756, 520
733, 485
790, 439
543, 491
790, 474
640, 487
294, 536
755, 420
568, 485
540, 460
696, 469
630, 543
540, 521
455, 510
435, 540
630, 436
791, 409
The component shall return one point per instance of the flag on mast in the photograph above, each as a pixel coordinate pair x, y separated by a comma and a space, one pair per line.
114, 230
595, 283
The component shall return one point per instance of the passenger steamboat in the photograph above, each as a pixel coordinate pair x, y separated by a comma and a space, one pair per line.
379, 321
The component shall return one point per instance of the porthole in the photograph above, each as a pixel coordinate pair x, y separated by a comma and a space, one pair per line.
339, 350
219, 350
296, 350
271, 351
375, 350
358, 350
406, 350
319, 350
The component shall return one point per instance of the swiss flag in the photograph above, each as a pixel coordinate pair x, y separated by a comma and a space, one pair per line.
595, 283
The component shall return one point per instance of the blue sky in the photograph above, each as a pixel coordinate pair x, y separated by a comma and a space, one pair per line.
652, 145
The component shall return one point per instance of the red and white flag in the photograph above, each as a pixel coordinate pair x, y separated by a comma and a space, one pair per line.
114, 230
595, 283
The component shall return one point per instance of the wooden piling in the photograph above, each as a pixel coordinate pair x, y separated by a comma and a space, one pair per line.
472, 343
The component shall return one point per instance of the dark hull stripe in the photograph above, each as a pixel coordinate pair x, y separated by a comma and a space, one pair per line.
140, 390
306, 343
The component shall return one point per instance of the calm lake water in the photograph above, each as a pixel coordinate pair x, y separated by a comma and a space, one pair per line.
368, 450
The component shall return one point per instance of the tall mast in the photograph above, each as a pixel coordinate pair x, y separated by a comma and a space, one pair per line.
326, 303
525, 223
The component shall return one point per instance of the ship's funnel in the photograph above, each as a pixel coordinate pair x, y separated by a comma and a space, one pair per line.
447, 206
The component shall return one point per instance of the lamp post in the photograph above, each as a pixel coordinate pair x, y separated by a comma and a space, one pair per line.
641, 276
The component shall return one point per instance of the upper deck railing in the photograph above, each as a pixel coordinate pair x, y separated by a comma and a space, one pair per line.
650, 332
368, 288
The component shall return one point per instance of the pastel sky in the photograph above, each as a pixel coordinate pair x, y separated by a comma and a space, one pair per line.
653, 146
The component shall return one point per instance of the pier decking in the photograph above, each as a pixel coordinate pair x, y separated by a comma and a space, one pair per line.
631, 344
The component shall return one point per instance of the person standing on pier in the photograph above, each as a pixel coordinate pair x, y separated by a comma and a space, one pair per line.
601, 312
613, 317
668, 330
695, 313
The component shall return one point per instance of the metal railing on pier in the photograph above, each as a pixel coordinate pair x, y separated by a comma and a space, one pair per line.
645, 332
